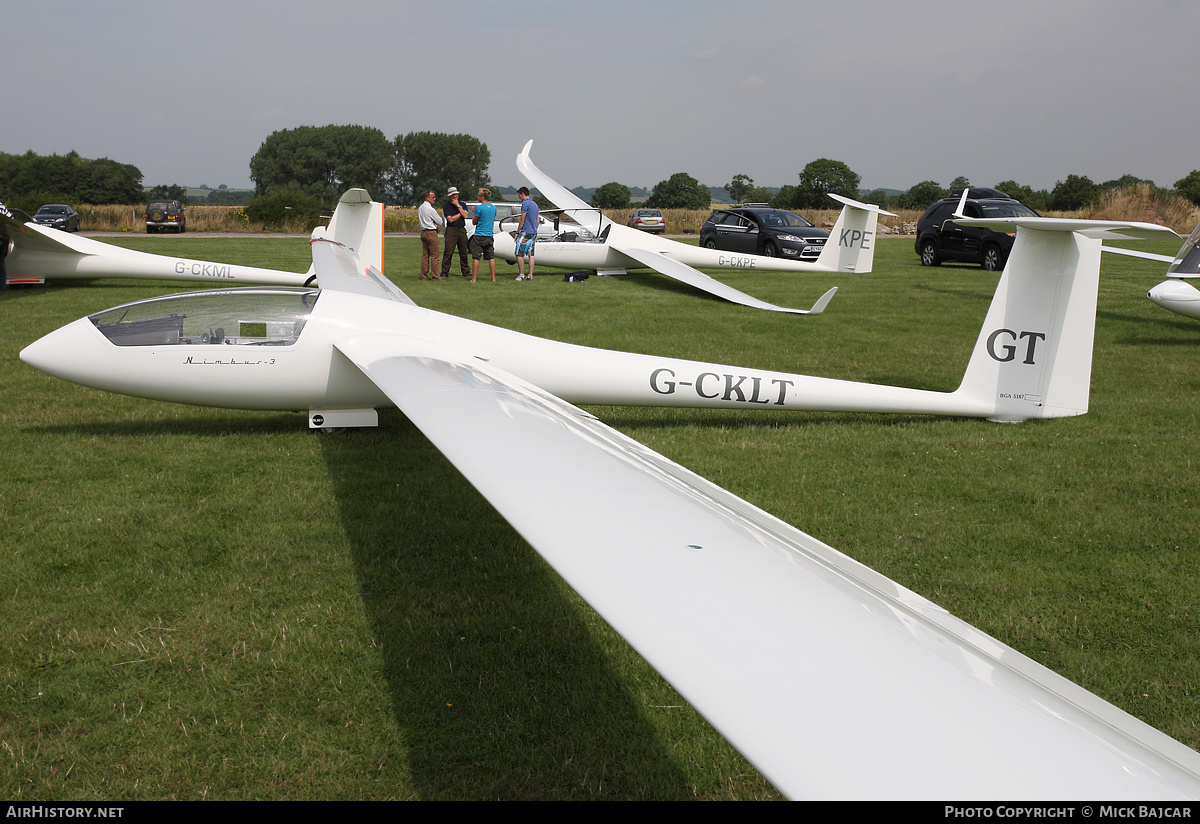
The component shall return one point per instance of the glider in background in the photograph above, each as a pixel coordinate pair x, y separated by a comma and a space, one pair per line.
1175, 294
833, 680
40, 253
613, 249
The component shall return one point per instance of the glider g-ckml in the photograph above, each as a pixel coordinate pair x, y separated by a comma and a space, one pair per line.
835, 681
40, 253
612, 249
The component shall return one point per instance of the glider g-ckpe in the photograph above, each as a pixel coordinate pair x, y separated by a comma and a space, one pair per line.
610, 248
835, 681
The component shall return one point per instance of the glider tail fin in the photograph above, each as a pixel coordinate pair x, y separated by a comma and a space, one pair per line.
851, 244
1033, 358
357, 223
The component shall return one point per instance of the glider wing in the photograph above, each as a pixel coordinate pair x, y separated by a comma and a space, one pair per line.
832, 679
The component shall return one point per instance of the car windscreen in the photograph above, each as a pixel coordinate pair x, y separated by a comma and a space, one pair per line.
52, 210
1006, 210
787, 219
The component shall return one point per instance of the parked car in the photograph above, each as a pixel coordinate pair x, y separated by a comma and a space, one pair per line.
939, 238
761, 230
648, 220
57, 216
164, 215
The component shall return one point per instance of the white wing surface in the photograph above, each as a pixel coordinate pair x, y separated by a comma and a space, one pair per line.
559, 195
694, 277
1134, 253
835, 681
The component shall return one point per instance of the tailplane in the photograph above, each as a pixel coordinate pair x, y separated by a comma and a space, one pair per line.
1033, 358
851, 244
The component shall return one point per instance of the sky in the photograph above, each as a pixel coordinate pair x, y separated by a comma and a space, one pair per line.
631, 92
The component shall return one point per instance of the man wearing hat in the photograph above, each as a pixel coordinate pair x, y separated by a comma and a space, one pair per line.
456, 235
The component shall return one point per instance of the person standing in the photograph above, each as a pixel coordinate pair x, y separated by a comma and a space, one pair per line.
429, 220
456, 235
528, 233
483, 243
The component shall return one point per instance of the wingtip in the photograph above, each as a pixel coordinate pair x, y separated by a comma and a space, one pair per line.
822, 302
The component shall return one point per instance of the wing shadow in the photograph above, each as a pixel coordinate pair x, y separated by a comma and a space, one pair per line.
496, 675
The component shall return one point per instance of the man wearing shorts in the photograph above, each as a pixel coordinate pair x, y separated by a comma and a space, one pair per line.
528, 233
483, 243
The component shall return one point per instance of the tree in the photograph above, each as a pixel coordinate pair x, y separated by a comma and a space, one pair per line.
611, 196
822, 177
70, 178
285, 205
1189, 187
877, 197
432, 160
757, 194
680, 191
785, 198
1036, 200
323, 161
1073, 193
1125, 181
738, 187
960, 182
172, 192
921, 195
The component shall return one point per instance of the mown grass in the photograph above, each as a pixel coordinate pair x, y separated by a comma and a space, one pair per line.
205, 603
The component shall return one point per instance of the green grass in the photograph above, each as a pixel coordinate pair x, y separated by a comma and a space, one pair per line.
205, 603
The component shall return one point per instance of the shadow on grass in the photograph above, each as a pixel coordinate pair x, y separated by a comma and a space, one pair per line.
498, 685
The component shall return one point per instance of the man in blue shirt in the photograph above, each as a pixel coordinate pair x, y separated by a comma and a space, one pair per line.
528, 233
483, 242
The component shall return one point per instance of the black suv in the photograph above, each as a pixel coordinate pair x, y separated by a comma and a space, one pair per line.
940, 238
761, 230
163, 215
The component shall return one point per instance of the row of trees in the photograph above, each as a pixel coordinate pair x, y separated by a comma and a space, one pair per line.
682, 191
823, 177
29, 180
321, 162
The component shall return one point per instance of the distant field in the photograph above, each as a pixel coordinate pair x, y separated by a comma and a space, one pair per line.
216, 604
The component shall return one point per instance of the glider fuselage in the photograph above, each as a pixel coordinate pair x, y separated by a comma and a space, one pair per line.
603, 255
183, 350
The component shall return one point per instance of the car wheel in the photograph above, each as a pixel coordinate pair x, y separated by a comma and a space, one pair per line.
993, 260
769, 250
929, 254
710, 244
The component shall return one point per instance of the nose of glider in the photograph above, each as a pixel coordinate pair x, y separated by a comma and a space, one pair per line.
1177, 296
64, 353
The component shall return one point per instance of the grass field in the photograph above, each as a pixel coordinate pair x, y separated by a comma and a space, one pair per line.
204, 603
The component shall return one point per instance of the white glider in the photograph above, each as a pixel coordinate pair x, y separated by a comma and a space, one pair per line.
835, 681
613, 249
40, 253
1175, 294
